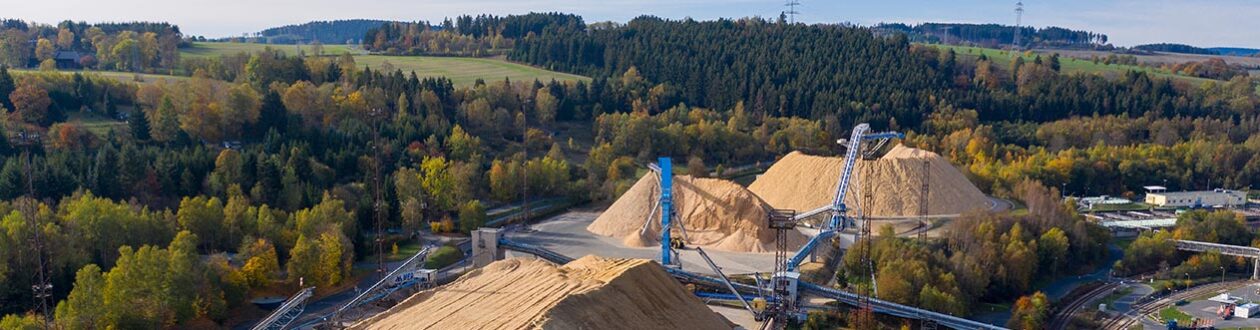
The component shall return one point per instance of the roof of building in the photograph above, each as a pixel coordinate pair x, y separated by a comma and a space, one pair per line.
1179, 194
1144, 224
1155, 187
68, 55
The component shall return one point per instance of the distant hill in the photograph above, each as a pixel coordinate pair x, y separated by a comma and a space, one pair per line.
1176, 48
994, 35
327, 32
1235, 51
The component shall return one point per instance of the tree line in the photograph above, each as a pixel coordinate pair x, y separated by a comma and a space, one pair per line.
995, 35
465, 36
133, 47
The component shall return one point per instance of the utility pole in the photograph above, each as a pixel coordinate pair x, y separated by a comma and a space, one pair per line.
378, 200
791, 10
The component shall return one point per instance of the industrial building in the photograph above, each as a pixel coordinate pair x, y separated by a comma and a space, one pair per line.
1158, 196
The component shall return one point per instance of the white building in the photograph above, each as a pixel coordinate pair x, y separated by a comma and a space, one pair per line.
1160, 197
1246, 310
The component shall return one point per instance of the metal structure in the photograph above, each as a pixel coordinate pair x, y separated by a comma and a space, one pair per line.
667, 208
1019, 18
784, 283
41, 289
538, 251
878, 306
865, 293
287, 312
727, 281
1226, 249
839, 211
791, 10
401, 277
780, 306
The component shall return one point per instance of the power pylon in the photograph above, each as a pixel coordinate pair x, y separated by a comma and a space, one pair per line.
791, 10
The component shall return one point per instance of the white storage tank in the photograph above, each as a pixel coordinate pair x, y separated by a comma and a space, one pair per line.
1246, 310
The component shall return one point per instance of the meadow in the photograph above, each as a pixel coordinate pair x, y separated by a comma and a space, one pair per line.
1003, 59
462, 71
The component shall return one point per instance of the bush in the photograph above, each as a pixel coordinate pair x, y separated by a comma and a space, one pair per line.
444, 256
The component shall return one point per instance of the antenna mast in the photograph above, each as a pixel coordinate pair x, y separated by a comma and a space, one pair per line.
1019, 18
791, 12
42, 288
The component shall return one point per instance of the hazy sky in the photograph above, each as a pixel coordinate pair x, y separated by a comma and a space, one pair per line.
1127, 22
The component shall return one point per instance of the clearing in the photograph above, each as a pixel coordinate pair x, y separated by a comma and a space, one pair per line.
215, 49
116, 75
1070, 64
463, 71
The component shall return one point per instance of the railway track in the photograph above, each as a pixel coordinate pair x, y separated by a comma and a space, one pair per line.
1064, 315
1139, 311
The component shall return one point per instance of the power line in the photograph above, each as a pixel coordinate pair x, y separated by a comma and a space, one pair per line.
791, 12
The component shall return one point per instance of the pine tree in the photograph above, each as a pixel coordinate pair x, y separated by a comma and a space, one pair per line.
139, 125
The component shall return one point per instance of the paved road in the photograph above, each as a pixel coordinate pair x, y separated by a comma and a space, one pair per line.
1207, 309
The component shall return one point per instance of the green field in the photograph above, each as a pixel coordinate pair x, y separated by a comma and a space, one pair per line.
1172, 313
98, 124
1003, 58
465, 70
462, 71
120, 76
215, 49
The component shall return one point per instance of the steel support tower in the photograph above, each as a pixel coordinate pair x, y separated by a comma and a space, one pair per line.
782, 305
667, 208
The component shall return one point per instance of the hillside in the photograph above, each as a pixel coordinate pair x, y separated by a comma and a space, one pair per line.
1175, 48
1236, 51
327, 32
462, 71
994, 35
1072, 62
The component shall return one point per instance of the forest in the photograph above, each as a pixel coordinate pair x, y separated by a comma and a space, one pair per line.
271, 158
995, 35
348, 31
132, 47
1175, 48
482, 35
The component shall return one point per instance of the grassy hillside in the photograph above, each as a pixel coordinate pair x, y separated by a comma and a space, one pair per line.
1069, 65
120, 76
461, 70
214, 49
464, 70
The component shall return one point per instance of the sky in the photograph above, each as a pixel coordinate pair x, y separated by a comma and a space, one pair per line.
1234, 23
